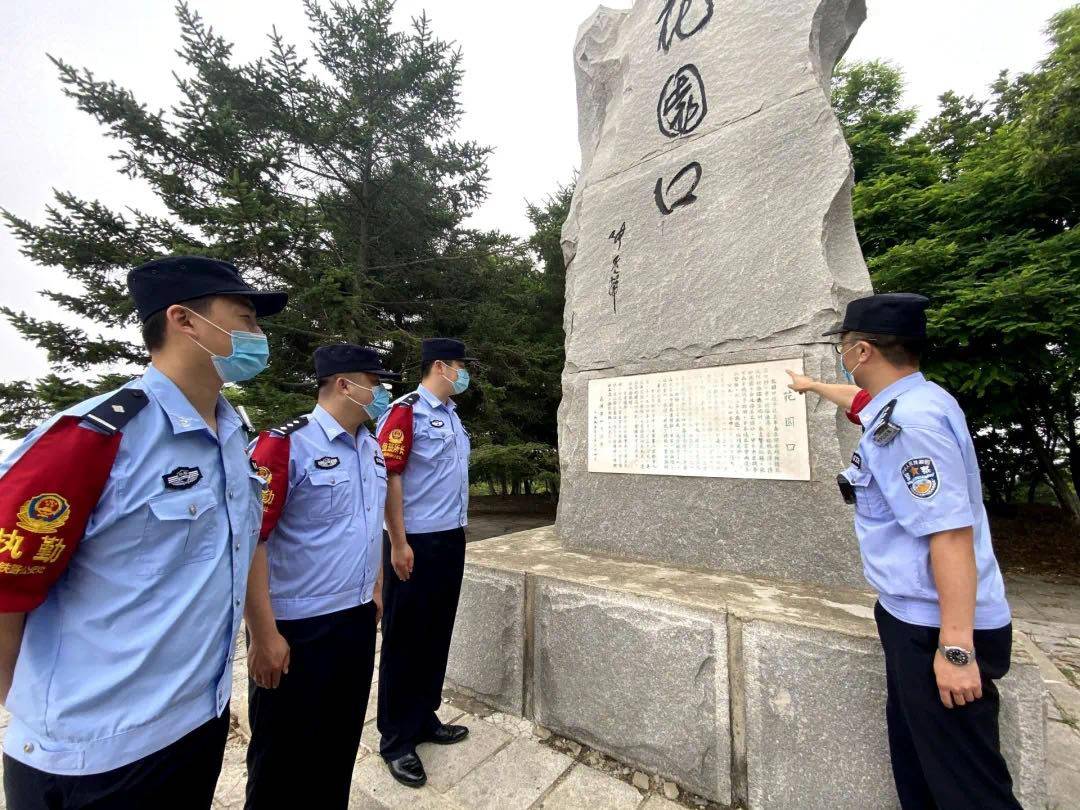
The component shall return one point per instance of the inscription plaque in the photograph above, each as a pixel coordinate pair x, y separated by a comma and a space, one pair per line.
739, 421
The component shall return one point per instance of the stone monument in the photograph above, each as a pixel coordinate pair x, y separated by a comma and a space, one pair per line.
711, 230
697, 610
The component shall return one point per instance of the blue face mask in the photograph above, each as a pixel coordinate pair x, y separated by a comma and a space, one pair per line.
380, 402
250, 354
459, 385
849, 375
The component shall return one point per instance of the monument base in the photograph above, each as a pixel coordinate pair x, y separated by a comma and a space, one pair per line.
741, 690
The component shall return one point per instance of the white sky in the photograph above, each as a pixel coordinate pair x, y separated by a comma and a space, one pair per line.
518, 93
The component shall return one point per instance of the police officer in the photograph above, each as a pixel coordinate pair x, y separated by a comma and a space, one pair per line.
311, 607
941, 613
427, 457
128, 525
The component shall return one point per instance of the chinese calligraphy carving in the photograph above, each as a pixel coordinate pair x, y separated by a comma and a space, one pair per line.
690, 18
682, 105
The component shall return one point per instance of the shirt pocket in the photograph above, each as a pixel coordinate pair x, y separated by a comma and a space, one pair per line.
329, 494
869, 502
180, 530
434, 444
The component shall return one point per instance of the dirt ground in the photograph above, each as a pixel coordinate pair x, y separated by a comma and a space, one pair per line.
1039, 541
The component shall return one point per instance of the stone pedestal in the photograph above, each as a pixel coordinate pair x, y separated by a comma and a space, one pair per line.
739, 689
711, 226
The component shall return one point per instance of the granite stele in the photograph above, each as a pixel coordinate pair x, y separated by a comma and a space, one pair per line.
697, 610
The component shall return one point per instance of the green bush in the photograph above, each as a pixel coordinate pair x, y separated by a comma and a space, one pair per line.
516, 469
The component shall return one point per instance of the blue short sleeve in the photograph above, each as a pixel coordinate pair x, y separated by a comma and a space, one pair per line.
923, 478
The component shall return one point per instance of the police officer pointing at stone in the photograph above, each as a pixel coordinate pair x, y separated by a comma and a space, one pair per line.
128, 523
313, 588
941, 613
427, 456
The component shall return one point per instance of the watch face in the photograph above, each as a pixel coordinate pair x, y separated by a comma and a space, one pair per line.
955, 655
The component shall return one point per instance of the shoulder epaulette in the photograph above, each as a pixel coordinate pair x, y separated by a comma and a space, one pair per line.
112, 415
409, 399
291, 426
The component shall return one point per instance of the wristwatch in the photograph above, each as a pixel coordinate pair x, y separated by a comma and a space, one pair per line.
957, 655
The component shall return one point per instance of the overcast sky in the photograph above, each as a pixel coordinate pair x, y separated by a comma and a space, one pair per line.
518, 92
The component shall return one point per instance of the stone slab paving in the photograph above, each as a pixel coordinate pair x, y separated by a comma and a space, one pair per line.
586, 789
1048, 614
514, 779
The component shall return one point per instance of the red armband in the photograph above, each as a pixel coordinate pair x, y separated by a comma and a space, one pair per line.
861, 400
396, 437
46, 499
271, 457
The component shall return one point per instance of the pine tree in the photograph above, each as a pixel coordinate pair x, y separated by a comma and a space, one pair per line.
342, 184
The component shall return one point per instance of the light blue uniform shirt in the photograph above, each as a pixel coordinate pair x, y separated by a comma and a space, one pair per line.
435, 481
326, 548
132, 648
924, 481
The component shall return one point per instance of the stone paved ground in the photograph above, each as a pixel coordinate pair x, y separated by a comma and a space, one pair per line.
507, 763
1049, 615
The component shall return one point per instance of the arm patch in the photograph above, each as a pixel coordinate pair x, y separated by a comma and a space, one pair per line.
396, 435
47, 497
270, 457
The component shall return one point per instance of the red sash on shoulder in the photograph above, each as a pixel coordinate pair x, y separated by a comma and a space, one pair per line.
46, 499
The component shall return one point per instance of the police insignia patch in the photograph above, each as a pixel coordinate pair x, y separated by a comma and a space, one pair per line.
182, 478
379, 461
397, 436
327, 462
856, 461
921, 477
267, 476
437, 423
44, 514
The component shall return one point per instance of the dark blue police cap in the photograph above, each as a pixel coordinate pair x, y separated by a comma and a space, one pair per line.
443, 349
348, 358
899, 314
173, 279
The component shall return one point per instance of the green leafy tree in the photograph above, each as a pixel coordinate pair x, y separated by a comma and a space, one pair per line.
978, 210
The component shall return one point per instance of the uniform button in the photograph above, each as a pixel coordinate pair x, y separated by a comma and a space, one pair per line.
28, 747
230, 493
333, 481
238, 603
192, 509
237, 546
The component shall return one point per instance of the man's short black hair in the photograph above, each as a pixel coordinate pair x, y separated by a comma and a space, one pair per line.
425, 368
899, 351
153, 328
326, 381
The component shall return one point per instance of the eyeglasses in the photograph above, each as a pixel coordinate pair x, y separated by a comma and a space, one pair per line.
839, 347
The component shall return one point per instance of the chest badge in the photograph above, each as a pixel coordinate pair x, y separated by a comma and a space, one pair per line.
438, 423
856, 461
327, 462
379, 461
921, 477
182, 478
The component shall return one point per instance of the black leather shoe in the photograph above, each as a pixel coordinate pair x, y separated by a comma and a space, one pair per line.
408, 770
448, 735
